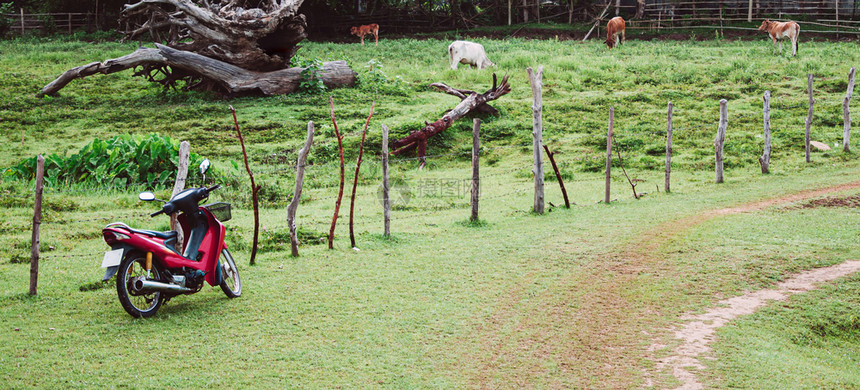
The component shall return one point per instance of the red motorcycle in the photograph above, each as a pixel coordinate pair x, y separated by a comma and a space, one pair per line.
149, 267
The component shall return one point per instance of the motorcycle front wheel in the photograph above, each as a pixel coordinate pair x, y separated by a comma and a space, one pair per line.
137, 305
230, 281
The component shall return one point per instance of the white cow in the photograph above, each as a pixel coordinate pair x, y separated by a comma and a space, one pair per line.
465, 52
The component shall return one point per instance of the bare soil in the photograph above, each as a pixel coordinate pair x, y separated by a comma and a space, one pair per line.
848, 201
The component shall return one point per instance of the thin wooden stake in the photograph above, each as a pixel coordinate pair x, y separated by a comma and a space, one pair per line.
846, 113
342, 174
178, 186
764, 160
535, 78
557, 175
720, 140
254, 189
355, 181
809, 118
37, 225
386, 200
624, 170
476, 154
668, 147
609, 137
297, 192
23, 133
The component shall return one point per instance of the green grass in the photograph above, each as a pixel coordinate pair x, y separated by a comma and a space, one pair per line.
506, 302
817, 331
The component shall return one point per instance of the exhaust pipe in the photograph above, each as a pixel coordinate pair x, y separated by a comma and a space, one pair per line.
143, 286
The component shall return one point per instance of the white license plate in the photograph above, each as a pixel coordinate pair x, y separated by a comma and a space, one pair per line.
112, 258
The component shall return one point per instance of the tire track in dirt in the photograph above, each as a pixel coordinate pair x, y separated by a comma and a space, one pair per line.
594, 339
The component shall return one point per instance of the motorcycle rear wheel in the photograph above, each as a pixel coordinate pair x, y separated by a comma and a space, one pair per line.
230, 281
137, 306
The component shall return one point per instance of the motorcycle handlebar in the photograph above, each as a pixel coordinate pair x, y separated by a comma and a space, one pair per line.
213, 188
156, 213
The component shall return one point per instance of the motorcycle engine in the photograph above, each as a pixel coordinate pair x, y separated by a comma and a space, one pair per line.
194, 279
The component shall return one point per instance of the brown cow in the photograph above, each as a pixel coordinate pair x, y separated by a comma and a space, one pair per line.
361, 31
779, 30
613, 27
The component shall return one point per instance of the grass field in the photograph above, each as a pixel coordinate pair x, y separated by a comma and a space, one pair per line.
567, 299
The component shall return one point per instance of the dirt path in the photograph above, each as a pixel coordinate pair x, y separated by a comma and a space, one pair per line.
588, 325
698, 332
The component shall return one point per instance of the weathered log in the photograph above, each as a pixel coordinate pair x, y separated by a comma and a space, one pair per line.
252, 34
418, 139
257, 39
230, 78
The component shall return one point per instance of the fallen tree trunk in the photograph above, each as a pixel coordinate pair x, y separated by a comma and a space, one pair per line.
472, 102
229, 78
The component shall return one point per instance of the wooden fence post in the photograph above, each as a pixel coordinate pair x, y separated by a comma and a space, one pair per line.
22, 21
342, 174
809, 117
386, 200
720, 141
536, 80
297, 192
476, 184
254, 189
37, 224
609, 153
355, 181
557, 176
846, 114
179, 185
668, 147
749, 11
764, 160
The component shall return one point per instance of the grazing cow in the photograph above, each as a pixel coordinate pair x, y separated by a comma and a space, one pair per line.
465, 52
361, 31
779, 30
615, 26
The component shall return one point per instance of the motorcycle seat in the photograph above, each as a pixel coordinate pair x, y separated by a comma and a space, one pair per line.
163, 235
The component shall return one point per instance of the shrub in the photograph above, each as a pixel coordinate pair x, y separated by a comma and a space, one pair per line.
122, 160
310, 81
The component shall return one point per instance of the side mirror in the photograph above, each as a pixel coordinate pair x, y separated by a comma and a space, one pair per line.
146, 196
204, 166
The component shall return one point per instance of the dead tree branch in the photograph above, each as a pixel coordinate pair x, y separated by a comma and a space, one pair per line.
472, 102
